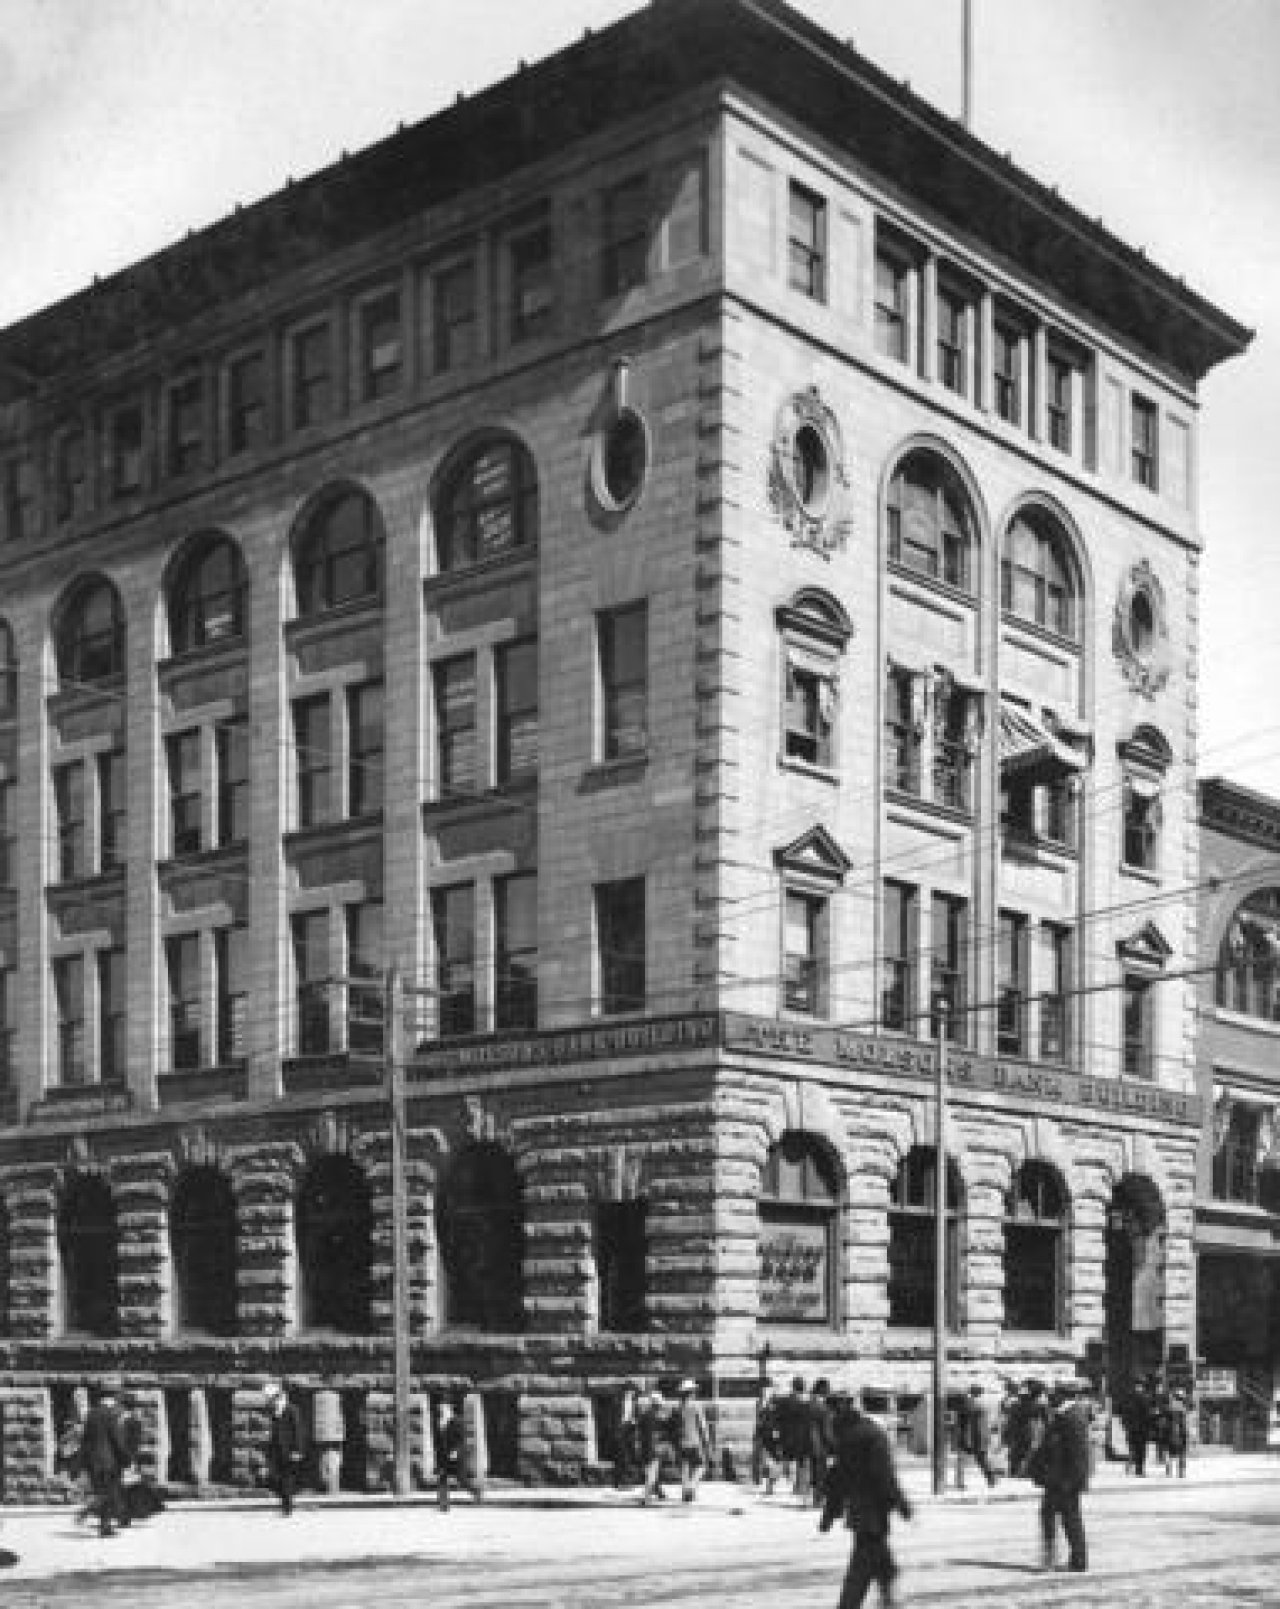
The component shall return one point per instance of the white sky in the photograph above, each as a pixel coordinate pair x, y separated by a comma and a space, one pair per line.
124, 123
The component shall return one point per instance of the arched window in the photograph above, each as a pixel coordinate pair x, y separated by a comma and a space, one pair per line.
930, 524
335, 1247
90, 637
912, 1249
480, 1218
799, 1218
338, 554
202, 1232
1034, 1250
488, 506
206, 595
1248, 978
88, 1251
1036, 575
814, 631
8, 673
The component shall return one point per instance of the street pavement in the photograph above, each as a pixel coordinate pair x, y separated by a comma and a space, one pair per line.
1203, 1543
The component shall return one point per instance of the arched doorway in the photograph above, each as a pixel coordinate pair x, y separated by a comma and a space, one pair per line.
335, 1248
88, 1252
1134, 1293
202, 1231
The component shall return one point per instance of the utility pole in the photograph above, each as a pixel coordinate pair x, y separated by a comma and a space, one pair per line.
400, 1385
940, 1261
966, 64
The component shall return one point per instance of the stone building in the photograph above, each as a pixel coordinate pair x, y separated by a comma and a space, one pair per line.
693, 558
1238, 1188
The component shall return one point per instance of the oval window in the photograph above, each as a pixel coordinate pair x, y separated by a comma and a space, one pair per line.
1142, 624
810, 469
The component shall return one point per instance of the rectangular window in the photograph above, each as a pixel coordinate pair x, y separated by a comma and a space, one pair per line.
380, 360
516, 666
70, 475
808, 711
186, 793
1058, 402
182, 963
620, 941
453, 921
311, 351
1137, 1058
893, 307
8, 1028
1006, 372
621, 1245
20, 502
624, 681
1011, 985
624, 259
807, 243
1143, 443
902, 732
312, 975
366, 956
952, 759
113, 813
185, 425
365, 758
1059, 811
1141, 824
68, 996
515, 918
454, 317
1055, 1014
125, 441
113, 1016
804, 953
8, 834
231, 962
953, 342
313, 746
232, 749
457, 753
948, 944
532, 284
898, 944
69, 806
246, 403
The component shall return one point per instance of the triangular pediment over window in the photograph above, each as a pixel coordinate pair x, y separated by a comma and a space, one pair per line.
815, 853
1147, 947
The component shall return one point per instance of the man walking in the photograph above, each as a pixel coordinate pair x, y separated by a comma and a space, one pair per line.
1060, 1467
284, 1445
862, 1485
104, 1455
651, 1432
975, 1438
693, 1440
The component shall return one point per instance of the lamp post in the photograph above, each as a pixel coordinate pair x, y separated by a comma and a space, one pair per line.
940, 1259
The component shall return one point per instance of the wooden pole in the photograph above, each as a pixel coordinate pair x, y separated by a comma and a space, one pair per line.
940, 1265
400, 1386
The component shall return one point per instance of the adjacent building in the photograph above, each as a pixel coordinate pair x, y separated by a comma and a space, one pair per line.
692, 558
1238, 1190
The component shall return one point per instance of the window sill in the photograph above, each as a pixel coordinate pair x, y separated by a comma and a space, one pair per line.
614, 773
806, 768
1045, 634
1032, 847
460, 574
932, 583
1243, 1019
930, 807
1143, 873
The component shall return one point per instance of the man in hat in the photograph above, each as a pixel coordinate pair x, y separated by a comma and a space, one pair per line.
693, 1440
284, 1445
104, 1455
975, 1438
651, 1431
1060, 1467
862, 1486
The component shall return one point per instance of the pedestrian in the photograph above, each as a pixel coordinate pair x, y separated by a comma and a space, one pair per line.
103, 1456
1177, 1436
627, 1464
450, 1440
975, 1437
1137, 1426
863, 1490
284, 1445
1033, 1419
766, 1446
821, 1439
793, 1429
692, 1439
1060, 1467
652, 1434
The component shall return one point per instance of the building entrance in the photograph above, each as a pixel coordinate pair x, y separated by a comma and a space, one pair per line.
1134, 1297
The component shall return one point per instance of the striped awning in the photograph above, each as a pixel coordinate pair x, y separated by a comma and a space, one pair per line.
1028, 746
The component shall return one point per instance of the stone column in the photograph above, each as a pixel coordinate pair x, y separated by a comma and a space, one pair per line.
982, 1253
249, 1433
1087, 1273
149, 1409
200, 1435
866, 1247
140, 1188
264, 1178
31, 1196
27, 1453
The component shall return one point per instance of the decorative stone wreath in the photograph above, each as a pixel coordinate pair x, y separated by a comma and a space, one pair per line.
808, 483
1140, 631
